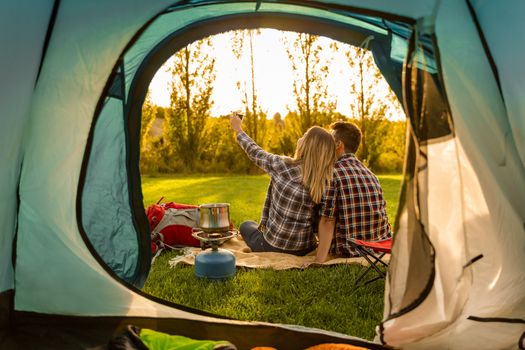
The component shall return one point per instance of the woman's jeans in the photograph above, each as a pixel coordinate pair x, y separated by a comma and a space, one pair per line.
255, 240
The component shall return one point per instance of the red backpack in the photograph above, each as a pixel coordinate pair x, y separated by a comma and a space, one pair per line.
172, 224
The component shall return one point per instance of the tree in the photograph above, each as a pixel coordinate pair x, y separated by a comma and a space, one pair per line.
193, 73
274, 134
314, 105
149, 113
150, 152
392, 147
372, 101
254, 119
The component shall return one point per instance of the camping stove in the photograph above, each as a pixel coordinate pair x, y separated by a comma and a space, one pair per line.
215, 263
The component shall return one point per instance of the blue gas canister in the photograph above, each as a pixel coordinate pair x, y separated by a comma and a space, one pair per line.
215, 263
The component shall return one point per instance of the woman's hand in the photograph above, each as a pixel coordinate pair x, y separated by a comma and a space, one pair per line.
235, 123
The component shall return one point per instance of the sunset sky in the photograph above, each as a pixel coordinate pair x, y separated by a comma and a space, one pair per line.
273, 77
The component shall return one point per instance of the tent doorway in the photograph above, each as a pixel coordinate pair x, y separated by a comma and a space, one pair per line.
246, 193
166, 48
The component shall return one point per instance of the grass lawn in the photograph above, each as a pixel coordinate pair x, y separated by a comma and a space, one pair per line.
320, 297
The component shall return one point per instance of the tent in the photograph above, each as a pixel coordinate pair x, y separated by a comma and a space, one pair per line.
74, 75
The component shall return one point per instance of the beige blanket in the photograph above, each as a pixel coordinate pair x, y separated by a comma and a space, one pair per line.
277, 261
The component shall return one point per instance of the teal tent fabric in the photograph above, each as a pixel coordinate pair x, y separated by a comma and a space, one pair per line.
508, 55
20, 60
105, 210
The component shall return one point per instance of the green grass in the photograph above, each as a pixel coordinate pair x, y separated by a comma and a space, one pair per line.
320, 297
245, 193
391, 185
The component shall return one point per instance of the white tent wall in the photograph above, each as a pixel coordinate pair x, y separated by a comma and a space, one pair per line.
442, 205
492, 182
21, 43
482, 277
441, 322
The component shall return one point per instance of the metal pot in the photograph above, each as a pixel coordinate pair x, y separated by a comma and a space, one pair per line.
214, 217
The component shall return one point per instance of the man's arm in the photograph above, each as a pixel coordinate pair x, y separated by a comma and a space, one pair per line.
326, 233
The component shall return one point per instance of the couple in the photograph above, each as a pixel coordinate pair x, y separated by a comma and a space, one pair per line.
324, 178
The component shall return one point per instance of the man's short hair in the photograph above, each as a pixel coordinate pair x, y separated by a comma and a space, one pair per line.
348, 133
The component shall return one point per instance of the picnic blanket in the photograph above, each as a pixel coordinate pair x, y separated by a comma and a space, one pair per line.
278, 261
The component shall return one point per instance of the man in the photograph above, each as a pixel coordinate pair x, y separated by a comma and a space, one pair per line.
353, 206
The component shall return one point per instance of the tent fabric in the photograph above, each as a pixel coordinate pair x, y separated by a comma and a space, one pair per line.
508, 57
63, 110
455, 278
486, 217
104, 190
21, 47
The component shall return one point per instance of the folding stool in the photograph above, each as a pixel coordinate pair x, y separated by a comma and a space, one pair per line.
373, 252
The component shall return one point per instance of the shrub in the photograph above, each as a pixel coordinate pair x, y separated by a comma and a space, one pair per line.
389, 162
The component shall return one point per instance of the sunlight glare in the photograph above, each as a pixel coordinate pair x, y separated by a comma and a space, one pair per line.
273, 76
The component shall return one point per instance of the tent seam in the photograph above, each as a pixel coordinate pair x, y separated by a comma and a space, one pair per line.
50, 28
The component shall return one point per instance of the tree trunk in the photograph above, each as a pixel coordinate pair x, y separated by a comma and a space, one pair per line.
364, 149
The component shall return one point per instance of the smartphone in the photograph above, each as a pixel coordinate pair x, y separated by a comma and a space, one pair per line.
238, 114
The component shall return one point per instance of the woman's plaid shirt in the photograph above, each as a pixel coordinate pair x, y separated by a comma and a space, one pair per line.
355, 199
286, 219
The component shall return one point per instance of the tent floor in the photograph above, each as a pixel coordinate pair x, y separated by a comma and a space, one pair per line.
44, 338
43, 332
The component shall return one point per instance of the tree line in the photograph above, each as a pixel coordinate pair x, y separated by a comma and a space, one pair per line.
191, 141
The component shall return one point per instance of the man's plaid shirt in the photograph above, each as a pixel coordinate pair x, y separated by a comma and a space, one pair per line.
355, 199
286, 220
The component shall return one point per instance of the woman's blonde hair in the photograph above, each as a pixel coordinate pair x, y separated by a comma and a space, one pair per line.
316, 152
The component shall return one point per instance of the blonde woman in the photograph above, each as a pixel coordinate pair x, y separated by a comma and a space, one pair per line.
288, 222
